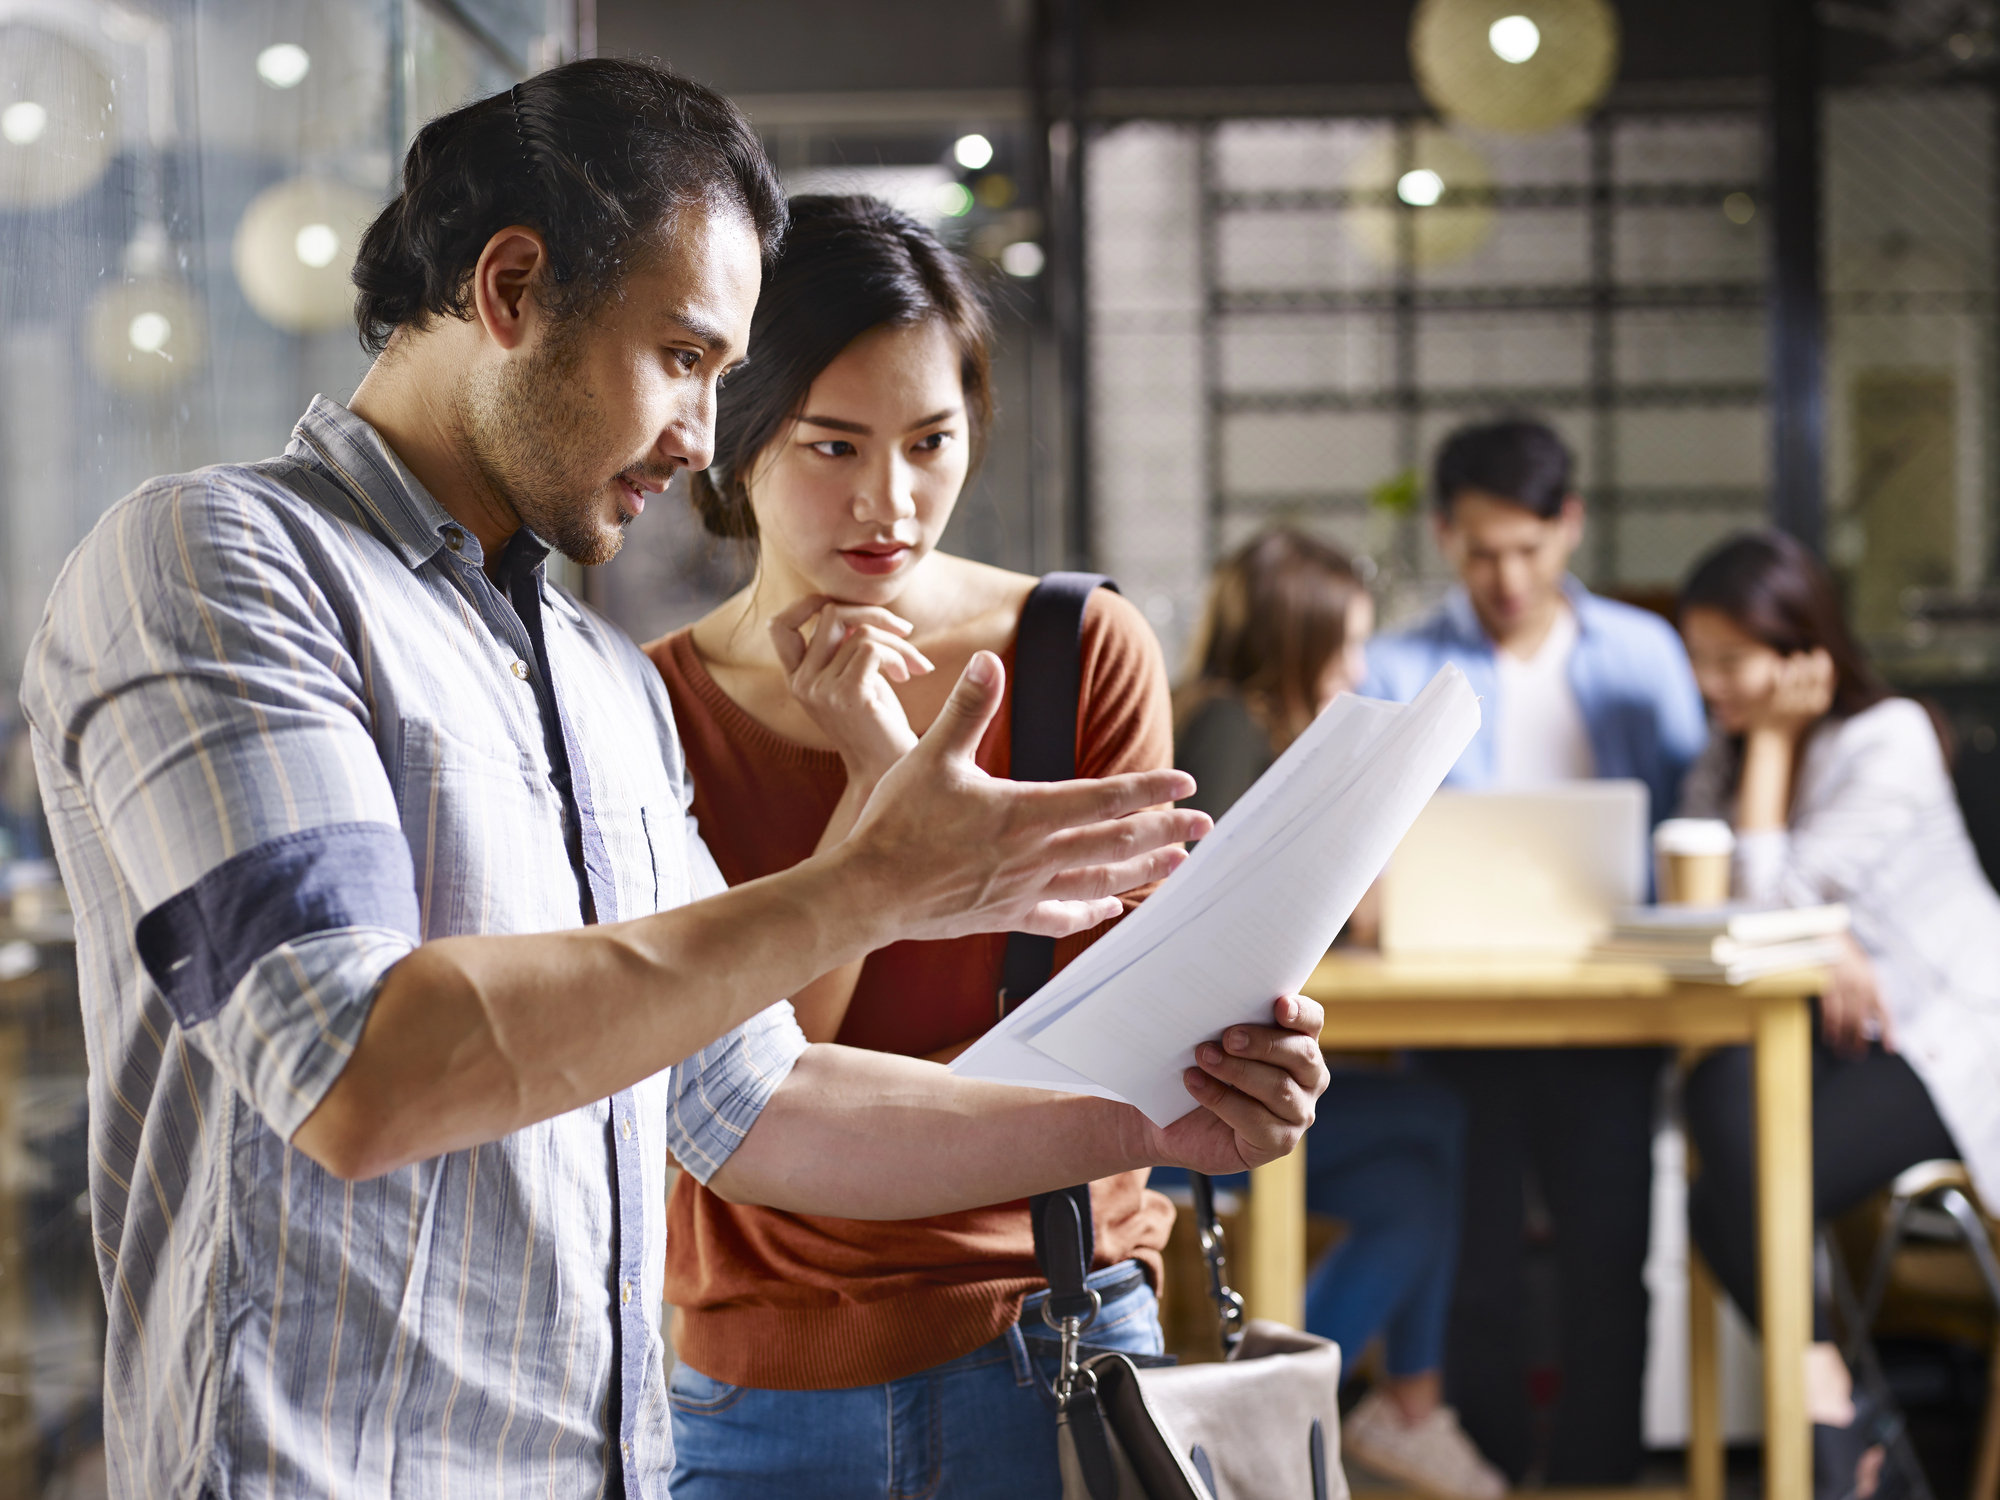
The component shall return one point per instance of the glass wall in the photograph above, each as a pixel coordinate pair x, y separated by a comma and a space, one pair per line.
182, 185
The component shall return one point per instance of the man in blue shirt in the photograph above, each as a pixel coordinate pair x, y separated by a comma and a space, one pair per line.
1574, 686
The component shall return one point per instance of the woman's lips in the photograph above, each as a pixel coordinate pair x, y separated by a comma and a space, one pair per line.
875, 561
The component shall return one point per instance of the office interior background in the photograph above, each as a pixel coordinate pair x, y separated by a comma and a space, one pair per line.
1247, 268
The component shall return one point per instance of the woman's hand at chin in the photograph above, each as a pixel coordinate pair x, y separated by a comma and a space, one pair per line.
843, 674
1801, 694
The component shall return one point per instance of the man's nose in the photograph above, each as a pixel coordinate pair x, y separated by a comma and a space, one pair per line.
688, 441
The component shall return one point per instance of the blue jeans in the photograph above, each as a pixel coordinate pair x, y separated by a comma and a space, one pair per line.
980, 1426
1386, 1155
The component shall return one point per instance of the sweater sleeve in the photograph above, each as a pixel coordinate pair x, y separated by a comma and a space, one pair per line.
1878, 768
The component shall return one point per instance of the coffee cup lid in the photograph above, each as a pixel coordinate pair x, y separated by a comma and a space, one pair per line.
1694, 836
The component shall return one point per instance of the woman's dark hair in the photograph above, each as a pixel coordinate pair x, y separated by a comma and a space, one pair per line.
1776, 592
1276, 615
594, 155
1515, 458
849, 264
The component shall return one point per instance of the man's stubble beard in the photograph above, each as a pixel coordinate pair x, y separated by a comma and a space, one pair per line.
532, 426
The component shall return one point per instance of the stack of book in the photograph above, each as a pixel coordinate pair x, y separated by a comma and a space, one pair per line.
1726, 944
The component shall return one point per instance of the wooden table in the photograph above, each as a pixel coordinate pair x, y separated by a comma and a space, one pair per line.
1382, 1003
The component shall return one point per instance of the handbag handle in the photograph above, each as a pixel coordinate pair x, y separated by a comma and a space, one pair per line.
1048, 677
1214, 1251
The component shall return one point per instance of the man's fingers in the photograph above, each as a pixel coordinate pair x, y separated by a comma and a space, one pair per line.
1261, 1135
1297, 1013
1073, 803
961, 725
1286, 1071
1061, 919
1093, 882
1124, 838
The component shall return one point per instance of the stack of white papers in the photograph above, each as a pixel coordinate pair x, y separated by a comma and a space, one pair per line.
1246, 918
1728, 944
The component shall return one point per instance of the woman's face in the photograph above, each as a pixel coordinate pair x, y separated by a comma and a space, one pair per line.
851, 500
1737, 673
1347, 668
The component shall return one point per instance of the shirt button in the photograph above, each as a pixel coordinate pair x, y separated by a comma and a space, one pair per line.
628, 1128
625, 1295
455, 540
520, 670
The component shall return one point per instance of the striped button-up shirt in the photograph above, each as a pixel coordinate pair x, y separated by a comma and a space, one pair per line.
287, 729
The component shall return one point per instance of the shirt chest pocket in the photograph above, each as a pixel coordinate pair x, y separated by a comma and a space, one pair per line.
486, 830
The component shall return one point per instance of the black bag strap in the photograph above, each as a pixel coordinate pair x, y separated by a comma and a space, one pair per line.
1048, 675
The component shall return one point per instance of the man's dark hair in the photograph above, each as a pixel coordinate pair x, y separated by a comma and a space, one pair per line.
593, 155
850, 264
1516, 459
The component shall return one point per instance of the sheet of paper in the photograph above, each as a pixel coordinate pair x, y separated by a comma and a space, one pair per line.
1246, 918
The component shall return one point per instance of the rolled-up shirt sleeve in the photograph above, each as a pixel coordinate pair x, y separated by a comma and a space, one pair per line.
198, 692
718, 1093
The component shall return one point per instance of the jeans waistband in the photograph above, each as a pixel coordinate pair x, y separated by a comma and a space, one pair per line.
1111, 1283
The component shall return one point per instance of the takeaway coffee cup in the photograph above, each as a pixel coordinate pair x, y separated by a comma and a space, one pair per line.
1691, 858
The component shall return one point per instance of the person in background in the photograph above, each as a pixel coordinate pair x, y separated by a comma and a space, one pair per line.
1282, 636
1571, 686
1839, 791
820, 1355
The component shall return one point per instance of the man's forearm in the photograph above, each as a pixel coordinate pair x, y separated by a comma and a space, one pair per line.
871, 1135
473, 1037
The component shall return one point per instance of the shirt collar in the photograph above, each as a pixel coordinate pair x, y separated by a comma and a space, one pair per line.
1465, 619
409, 518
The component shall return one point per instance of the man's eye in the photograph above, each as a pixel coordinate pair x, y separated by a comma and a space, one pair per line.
687, 359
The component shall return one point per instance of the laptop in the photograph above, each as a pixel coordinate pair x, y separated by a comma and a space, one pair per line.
1538, 872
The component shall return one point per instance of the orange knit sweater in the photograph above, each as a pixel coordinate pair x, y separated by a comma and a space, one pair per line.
786, 1301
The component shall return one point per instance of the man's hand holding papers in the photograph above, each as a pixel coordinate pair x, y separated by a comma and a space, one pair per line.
1257, 1086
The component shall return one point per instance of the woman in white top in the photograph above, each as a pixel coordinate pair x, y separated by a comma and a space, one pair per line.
1839, 791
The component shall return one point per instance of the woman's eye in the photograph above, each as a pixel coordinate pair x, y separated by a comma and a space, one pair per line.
833, 448
932, 443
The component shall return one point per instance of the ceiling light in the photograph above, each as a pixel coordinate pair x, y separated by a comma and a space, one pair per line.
294, 249
144, 335
972, 152
1739, 208
1514, 39
316, 245
1412, 167
56, 145
954, 200
1420, 187
23, 123
149, 332
1023, 258
284, 65
1520, 66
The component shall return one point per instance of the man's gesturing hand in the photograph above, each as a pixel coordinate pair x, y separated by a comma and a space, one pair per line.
1258, 1088
958, 851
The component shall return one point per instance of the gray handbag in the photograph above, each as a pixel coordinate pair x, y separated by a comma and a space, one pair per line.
1262, 1425
1265, 1423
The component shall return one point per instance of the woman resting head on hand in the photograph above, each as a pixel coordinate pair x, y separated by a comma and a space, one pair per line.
1839, 791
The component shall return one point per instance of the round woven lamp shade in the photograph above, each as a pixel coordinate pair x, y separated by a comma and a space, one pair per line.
1448, 229
294, 251
1571, 49
58, 118
146, 335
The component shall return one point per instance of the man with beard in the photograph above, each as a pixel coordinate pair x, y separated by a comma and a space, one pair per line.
404, 969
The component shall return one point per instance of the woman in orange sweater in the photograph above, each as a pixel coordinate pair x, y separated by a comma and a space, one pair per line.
831, 1357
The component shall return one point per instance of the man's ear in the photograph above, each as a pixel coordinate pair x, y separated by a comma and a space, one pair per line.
506, 285
1571, 516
